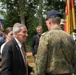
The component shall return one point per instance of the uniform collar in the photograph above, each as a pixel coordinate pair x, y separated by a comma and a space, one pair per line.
57, 28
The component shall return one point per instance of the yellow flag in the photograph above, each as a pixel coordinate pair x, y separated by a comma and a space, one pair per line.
70, 16
73, 13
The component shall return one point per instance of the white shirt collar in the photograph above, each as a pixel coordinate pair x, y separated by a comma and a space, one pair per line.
19, 44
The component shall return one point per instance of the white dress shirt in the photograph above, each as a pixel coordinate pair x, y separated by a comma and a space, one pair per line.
20, 45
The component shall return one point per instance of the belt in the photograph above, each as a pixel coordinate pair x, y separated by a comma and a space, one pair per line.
59, 74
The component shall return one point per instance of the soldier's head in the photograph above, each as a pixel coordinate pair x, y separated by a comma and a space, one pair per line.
39, 29
53, 18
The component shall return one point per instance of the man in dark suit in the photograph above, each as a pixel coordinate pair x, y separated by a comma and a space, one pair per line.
14, 61
35, 40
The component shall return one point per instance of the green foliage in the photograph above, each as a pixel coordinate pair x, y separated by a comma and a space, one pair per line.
10, 20
12, 15
56, 4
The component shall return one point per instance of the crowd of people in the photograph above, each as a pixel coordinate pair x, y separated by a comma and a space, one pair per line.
54, 51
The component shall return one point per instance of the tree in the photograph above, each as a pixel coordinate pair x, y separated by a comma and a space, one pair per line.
56, 4
40, 13
28, 13
22, 11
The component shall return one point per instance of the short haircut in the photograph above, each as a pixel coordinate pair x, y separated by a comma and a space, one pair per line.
55, 20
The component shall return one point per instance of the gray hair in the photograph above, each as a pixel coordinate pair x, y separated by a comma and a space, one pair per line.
17, 28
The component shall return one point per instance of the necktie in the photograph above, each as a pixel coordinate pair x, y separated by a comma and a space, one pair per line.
25, 59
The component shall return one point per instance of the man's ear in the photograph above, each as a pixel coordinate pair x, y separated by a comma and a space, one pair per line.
50, 22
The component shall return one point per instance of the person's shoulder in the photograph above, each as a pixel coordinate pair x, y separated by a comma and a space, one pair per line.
11, 42
47, 33
43, 34
2, 46
44, 37
2, 40
35, 35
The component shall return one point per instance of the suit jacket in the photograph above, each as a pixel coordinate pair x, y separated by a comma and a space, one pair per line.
35, 43
12, 60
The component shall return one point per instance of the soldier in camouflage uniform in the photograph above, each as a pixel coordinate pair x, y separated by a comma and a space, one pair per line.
56, 51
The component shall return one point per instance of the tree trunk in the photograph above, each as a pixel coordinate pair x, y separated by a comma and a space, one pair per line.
40, 13
22, 11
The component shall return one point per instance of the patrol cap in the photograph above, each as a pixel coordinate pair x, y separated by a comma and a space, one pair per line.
53, 13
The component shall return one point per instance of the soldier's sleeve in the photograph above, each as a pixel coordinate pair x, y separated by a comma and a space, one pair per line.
74, 60
41, 56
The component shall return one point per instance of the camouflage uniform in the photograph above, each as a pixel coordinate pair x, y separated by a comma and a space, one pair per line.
56, 53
